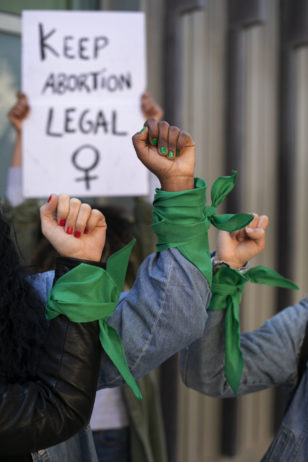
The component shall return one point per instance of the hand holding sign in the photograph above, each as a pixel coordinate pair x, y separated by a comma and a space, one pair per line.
19, 111
78, 231
167, 152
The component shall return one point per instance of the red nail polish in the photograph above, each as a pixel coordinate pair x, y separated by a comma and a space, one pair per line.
62, 222
49, 198
69, 230
86, 231
77, 233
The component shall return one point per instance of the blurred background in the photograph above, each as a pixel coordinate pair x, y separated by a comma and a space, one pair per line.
233, 73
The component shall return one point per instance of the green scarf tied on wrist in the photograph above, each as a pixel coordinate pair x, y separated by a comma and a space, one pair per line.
89, 293
227, 288
181, 219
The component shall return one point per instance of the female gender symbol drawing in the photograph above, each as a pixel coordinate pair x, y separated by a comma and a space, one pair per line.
87, 178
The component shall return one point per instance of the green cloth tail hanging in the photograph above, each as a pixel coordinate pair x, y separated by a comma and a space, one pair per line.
227, 288
90, 293
181, 219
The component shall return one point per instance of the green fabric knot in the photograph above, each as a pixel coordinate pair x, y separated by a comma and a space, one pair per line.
227, 288
210, 211
89, 293
181, 219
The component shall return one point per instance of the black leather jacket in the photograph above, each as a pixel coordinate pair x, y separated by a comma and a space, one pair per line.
44, 412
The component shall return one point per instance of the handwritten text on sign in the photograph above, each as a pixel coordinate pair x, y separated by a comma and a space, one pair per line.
84, 73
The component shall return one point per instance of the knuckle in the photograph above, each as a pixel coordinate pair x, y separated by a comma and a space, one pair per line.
86, 207
174, 129
186, 138
97, 213
75, 202
64, 197
151, 120
163, 124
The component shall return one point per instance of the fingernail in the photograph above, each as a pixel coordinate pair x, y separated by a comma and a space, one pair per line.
77, 233
170, 155
177, 152
49, 198
62, 222
86, 231
163, 150
69, 230
142, 130
154, 141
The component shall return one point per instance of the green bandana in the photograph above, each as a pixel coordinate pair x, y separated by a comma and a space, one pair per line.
227, 288
89, 293
181, 220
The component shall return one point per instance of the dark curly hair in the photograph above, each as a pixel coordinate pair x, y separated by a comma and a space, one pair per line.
22, 323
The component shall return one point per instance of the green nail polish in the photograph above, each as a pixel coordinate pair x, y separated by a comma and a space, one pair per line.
177, 153
142, 130
154, 141
170, 155
163, 150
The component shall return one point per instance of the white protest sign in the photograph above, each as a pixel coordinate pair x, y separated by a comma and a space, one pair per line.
84, 73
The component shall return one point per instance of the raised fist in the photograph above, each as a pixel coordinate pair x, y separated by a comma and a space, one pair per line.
167, 152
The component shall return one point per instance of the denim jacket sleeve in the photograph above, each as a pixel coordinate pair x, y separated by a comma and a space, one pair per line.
270, 354
163, 312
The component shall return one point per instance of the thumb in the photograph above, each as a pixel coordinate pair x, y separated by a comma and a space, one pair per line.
47, 210
140, 139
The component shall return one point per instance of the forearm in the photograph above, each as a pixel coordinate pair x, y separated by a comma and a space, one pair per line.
178, 183
270, 354
172, 294
16, 160
58, 403
165, 310
202, 363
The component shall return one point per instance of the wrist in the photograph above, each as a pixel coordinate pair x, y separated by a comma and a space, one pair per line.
234, 263
237, 265
95, 259
94, 256
65, 264
177, 183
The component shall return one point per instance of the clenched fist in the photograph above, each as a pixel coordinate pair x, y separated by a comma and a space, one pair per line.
167, 152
